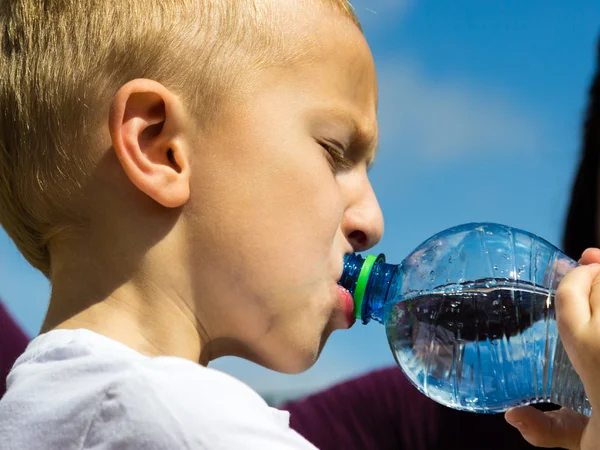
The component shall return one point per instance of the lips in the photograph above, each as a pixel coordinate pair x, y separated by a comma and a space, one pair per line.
347, 305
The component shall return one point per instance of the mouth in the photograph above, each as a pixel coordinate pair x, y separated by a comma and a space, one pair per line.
347, 305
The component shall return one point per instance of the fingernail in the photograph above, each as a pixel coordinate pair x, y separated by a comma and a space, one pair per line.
521, 426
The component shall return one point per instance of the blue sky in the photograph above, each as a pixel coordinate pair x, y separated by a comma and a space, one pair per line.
480, 114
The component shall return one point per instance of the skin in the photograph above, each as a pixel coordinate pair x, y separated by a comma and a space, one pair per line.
578, 320
230, 240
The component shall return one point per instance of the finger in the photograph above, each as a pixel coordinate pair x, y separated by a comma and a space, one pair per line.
594, 297
590, 256
562, 428
573, 297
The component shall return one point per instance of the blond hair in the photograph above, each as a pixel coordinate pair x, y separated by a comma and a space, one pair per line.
62, 61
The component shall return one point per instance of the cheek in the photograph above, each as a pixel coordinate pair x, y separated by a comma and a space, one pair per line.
290, 204
255, 224
265, 222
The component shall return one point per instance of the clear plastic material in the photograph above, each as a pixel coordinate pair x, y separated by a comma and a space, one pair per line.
470, 318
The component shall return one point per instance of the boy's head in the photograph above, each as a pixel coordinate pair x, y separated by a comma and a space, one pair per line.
206, 154
63, 60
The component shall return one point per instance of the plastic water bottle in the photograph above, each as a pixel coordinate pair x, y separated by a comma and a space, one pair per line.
470, 318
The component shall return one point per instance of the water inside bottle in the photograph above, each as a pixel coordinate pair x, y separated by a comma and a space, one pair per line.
484, 346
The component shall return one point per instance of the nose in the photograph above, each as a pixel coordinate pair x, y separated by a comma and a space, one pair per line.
363, 220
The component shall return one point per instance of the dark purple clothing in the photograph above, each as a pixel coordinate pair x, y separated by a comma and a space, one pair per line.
383, 410
12, 343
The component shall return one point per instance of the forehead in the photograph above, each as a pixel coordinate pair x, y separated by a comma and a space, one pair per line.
321, 67
341, 66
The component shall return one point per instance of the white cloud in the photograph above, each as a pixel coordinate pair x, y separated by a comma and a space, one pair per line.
443, 119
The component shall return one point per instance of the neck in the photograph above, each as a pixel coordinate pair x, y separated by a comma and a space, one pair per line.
142, 306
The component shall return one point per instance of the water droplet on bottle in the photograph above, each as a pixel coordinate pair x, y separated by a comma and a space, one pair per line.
471, 400
505, 256
495, 267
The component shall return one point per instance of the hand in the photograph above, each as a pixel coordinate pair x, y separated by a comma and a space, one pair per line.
578, 320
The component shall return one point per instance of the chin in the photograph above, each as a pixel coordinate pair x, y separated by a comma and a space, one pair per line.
294, 362
304, 360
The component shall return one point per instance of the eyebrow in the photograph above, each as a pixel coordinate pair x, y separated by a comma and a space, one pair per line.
372, 152
367, 141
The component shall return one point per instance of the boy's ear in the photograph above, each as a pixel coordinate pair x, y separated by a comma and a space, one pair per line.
147, 123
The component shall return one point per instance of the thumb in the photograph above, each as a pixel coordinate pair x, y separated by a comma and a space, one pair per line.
562, 428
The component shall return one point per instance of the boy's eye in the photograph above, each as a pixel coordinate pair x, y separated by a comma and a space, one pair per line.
337, 156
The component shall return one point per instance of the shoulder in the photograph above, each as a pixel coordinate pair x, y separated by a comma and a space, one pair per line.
188, 387
189, 405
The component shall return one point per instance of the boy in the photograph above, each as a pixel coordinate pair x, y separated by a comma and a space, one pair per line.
189, 175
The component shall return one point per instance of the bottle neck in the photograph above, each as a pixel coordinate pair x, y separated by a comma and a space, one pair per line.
369, 280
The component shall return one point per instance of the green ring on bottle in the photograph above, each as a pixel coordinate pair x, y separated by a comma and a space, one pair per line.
361, 283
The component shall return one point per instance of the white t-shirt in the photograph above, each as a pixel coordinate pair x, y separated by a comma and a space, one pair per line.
75, 389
